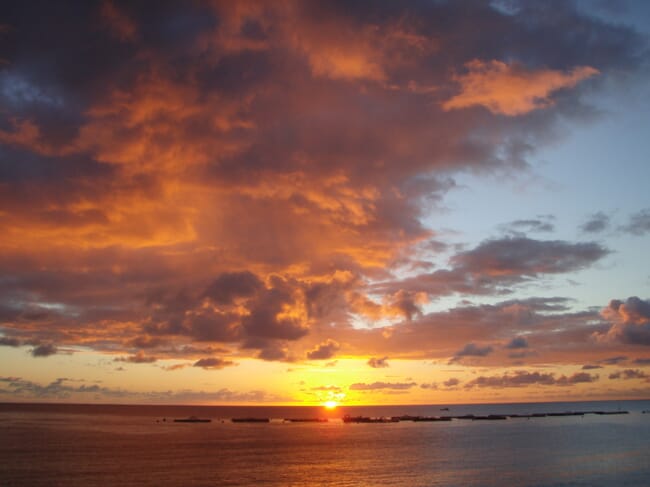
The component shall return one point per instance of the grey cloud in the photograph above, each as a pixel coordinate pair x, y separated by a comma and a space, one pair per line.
324, 351
628, 374
213, 363
495, 264
139, 358
630, 321
274, 351
9, 341
231, 285
146, 341
517, 342
61, 389
360, 386
263, 321
613, 360
521, 257
639, 223
523, 378
449, 383
378, 363
182, 314
473, 350
598, 222
44, 350
532, 225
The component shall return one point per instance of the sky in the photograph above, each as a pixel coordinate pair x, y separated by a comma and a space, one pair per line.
293, 202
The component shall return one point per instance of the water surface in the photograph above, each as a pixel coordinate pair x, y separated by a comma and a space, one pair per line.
51, 445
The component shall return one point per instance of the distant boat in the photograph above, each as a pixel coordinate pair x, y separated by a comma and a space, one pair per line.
444, 409
192, 419
250, 420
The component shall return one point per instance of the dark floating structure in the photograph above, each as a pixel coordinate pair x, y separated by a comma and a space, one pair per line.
367, 419
416, 419
488, 417
305, 420
432, 418
191, 419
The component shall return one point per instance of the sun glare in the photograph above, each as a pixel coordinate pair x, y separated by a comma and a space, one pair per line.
330, 404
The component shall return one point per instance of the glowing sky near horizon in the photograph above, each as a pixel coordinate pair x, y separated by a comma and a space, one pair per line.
299, 202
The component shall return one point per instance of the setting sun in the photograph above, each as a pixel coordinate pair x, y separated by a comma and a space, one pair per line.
330, 404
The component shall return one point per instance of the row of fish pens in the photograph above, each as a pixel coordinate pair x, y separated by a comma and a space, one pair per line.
428, 419
489, 417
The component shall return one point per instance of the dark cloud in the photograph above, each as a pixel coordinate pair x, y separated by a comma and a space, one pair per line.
146, 341
598, 222
546, 322
213, 363
9, 342
378, 363
62, 389
274, 351
517, 342
59, 388
591, 367
523, 257
538, 225
44, 350
495, 264
265, 321
449, 383
473, 350
642, 361
614, 360
324, 351
629, 374
231, 285
360, 386
630, 321
523, 378
139, 358
639, 223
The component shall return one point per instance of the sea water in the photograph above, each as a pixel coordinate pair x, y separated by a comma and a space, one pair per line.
72, 445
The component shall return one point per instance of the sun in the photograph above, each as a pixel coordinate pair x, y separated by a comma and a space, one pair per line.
330, 404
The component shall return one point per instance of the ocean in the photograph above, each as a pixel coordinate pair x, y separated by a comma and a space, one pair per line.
116, 445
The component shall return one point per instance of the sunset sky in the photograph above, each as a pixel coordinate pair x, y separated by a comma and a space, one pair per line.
289, 202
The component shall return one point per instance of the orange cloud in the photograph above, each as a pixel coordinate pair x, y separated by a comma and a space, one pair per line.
120, 25
262, 179
511, 89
